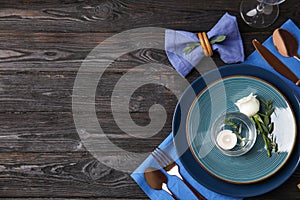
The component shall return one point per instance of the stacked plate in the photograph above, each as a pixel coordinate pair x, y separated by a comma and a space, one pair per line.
214, 94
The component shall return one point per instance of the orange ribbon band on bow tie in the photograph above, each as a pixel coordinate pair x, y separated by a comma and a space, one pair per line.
205, 44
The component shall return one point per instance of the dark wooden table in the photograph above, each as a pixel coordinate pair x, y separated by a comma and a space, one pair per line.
42, 46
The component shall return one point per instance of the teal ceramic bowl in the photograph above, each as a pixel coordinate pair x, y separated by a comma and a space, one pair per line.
218, 98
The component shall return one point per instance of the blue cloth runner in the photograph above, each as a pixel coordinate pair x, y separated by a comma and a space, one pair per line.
231, 49
176, 186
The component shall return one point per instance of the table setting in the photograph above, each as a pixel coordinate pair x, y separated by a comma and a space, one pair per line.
162, 100
197, 163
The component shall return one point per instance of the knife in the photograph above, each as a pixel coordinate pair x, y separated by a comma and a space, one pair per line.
275, 62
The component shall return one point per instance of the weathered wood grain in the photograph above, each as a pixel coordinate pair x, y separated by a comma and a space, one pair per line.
116, 15
42, 46
61, 175
55, 132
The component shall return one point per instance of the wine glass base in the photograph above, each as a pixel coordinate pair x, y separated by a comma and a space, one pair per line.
258, 15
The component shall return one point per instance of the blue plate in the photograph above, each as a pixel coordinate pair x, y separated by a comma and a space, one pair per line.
203, 172
255, 165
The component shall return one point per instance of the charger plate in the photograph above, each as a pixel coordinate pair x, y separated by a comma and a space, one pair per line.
212, 173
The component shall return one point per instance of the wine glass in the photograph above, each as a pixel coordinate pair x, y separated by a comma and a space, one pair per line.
260, 13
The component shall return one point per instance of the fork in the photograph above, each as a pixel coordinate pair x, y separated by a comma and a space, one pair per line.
171, 167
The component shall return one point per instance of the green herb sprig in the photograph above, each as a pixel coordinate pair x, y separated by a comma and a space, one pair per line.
265, 127
191, 46
237, 130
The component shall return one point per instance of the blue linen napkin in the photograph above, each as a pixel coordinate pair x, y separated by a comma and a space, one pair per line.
292, 63
231, 49
175, 184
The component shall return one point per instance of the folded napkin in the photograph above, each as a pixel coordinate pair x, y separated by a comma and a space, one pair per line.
175, 184
231, 49
292, 63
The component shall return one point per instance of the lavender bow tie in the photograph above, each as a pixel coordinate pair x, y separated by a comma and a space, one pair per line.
231, 49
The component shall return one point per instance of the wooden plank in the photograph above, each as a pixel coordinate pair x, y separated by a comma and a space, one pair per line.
56, 132
115, 16
95, 15
62, 175
53, 92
